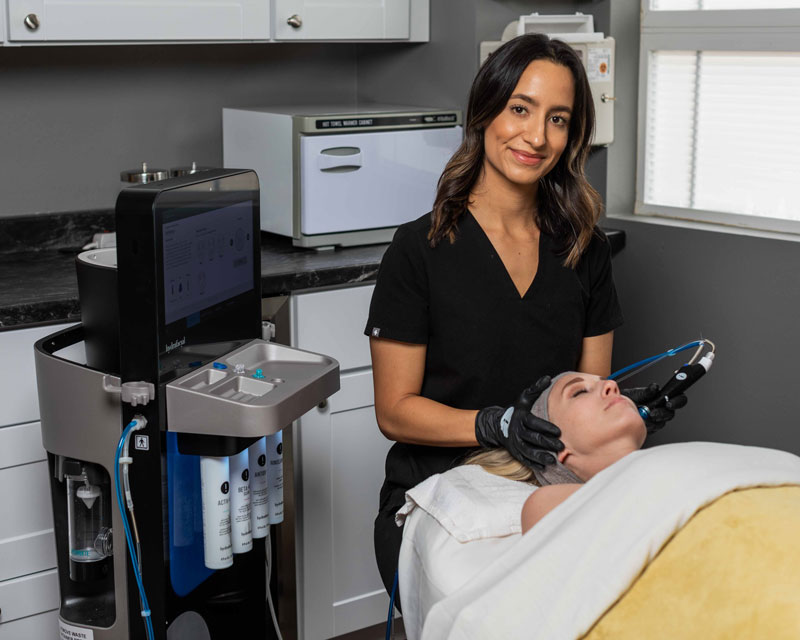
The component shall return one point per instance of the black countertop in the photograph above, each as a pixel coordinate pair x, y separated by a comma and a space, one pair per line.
38, 282
41, 287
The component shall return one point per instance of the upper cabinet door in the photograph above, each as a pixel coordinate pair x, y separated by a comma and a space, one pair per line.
137, 20
343, 19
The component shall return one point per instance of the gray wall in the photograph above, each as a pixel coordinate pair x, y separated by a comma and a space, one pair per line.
72, 118
677, 284
440, 72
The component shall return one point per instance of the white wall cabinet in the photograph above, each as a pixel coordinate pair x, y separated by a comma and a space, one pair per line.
28, 579
351, 20
339, 468
143, 21
137, 20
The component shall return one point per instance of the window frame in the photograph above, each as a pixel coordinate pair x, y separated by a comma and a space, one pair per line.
767, 30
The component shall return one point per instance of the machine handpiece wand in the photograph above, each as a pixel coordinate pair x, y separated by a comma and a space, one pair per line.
680, 381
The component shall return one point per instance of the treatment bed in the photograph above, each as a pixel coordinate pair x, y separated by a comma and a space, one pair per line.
690, 540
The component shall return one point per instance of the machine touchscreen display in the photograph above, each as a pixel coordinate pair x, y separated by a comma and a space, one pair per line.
208, 258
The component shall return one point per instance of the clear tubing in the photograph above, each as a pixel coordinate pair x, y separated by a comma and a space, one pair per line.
241, 529
259, 493
134, 425
215, 491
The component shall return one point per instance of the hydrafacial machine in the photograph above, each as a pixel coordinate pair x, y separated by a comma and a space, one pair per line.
163, 436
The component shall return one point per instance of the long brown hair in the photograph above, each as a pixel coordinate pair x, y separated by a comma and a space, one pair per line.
568, 206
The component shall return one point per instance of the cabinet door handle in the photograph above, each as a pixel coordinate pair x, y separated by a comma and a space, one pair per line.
31, 22
339, 159
295, 21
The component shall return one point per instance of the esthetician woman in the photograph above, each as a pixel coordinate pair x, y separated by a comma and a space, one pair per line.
507, 280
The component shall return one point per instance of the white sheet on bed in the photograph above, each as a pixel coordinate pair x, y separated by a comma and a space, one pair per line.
562, 575
456, 524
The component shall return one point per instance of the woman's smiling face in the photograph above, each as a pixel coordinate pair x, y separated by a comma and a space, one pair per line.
594, 417
526, 139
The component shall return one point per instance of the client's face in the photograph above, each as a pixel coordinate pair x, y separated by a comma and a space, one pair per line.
598, 424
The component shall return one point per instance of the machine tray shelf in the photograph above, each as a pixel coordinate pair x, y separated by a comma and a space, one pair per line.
253, 391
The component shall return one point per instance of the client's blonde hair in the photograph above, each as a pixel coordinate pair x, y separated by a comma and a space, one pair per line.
501, 463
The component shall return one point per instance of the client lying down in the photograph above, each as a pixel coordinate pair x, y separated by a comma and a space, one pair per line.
618, 542
600, 426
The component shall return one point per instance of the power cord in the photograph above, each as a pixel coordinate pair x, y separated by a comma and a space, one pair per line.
269, 575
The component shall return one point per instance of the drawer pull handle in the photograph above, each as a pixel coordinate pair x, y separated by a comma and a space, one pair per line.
339, 159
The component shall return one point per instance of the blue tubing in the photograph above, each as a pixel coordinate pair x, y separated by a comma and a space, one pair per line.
148, 622
666, 354
391, 608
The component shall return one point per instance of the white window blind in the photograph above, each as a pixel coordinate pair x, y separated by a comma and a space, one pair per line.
719, 112
723, 132
712, 5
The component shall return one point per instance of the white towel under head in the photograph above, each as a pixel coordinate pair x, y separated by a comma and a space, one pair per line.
469, 502
456, 524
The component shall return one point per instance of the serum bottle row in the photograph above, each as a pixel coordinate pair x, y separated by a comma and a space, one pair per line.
242, 496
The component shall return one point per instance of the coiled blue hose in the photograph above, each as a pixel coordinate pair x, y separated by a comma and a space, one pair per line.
652, 359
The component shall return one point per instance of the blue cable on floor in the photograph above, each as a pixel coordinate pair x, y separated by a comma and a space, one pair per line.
391, 609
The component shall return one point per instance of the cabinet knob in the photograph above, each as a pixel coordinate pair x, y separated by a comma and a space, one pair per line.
295, 22
31, 22
607, 98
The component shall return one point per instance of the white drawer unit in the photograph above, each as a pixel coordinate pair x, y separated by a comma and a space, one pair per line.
28, 596
19, 402
339, 456
43, 625
21, 444
332, 322
341, 459
26, 528
28, 579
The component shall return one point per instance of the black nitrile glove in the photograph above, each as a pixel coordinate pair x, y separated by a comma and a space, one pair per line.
660, 416
529, 439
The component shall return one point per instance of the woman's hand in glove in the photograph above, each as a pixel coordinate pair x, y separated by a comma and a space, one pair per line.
659, 416
529, 439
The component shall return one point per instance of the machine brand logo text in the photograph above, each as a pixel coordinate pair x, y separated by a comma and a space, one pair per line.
174, 345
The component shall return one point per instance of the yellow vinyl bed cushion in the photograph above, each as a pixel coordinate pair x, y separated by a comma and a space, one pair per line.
733, 571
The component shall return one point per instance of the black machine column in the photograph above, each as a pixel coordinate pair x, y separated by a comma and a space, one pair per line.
193, 382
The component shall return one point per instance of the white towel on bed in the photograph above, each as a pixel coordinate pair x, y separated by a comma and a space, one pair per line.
456, 524
469, 502
563, 574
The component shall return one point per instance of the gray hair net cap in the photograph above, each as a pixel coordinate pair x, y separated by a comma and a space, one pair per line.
553, 473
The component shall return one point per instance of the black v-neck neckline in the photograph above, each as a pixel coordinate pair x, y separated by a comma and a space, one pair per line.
506, 276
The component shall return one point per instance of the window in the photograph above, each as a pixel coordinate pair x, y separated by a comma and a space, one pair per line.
719, 112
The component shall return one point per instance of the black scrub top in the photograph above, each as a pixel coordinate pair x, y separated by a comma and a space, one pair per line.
485, 342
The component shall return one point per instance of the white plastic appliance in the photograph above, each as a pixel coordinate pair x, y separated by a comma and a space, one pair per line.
341, 175
595, 50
